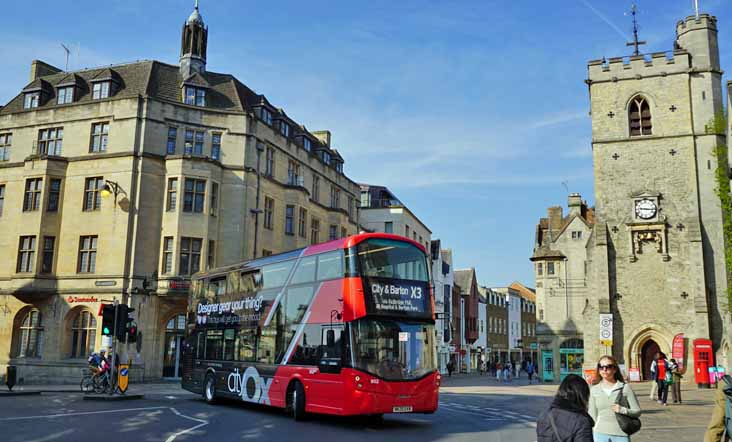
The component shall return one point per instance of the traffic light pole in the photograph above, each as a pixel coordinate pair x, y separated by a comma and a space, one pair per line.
114, 344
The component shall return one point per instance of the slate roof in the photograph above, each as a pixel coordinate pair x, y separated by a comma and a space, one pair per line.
525, 292
161, 81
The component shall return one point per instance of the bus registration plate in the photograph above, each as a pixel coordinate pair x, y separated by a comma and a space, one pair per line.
404, 409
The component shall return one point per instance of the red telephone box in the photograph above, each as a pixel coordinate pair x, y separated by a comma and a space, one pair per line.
703, 359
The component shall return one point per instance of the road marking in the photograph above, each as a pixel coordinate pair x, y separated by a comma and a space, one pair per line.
84, 413
202, 423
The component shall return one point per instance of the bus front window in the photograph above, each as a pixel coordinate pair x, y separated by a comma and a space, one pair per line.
393, 350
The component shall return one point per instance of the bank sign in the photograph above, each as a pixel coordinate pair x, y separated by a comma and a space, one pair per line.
397, 297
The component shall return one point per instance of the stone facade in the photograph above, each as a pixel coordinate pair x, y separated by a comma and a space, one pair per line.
497, 325
187, 195
656, 255
560, 265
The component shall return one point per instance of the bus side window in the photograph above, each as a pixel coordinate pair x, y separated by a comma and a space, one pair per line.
246, 343
305, 271
229, 341
275, 275
330, 265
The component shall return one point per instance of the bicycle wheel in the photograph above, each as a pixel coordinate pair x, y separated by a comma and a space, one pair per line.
98, 385
87, 384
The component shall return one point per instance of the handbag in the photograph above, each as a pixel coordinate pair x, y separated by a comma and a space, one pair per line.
629, 424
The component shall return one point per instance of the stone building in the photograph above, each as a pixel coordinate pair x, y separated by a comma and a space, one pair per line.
560, 267
657, 247
199, 171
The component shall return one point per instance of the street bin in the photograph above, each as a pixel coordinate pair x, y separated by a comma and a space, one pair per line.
11, 375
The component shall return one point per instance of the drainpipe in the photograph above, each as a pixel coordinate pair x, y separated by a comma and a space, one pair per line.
256, 211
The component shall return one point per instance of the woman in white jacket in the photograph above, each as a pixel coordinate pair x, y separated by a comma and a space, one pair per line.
609, 384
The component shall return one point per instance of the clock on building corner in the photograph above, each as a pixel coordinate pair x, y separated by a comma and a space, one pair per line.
645, 209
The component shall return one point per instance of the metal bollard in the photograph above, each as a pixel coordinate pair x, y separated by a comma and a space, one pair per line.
11, 375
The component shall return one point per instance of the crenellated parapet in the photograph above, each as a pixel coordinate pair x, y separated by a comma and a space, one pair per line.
690, 23
657, 64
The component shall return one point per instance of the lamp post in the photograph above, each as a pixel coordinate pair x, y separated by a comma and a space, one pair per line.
110, 188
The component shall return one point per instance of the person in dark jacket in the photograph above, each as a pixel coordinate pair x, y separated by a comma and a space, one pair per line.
567, 419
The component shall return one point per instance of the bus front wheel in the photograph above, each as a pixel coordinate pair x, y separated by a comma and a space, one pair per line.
209, 389
297, 401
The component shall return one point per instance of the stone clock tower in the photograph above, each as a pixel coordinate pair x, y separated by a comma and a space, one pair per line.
656, 252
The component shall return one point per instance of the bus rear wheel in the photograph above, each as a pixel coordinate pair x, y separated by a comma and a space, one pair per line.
297, 401
209, 389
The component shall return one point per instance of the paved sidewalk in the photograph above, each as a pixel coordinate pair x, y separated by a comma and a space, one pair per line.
684, 422
156, 388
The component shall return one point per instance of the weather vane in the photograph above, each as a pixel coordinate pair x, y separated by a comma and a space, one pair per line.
635, 43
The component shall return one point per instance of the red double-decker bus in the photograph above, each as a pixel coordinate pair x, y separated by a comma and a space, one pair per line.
344, 327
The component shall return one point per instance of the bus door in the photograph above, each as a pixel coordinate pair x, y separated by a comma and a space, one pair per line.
321, 348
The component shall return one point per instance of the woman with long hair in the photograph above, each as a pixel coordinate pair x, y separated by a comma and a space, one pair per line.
567, 418
604, 398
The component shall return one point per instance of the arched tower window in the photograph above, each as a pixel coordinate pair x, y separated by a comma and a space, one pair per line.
83, 334
639, 115
30, 335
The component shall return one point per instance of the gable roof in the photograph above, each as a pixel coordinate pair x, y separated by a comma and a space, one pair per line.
464, 278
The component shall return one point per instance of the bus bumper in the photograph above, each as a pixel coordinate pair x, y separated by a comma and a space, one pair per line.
371, 395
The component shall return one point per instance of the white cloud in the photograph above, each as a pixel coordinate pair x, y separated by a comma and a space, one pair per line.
557, 119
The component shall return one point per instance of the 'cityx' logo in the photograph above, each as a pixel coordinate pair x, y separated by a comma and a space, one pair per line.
250, 386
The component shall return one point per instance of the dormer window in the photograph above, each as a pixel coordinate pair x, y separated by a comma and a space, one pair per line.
284, 129
101, 90
195, 96
339, 167
265, 115
32, 99
307, 144
325, 156
65, 95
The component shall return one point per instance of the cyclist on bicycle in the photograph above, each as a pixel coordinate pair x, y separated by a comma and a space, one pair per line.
97, 363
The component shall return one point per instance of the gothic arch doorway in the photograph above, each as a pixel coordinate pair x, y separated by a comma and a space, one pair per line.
648, 351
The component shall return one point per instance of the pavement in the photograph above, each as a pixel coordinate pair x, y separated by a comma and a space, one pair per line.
472, 408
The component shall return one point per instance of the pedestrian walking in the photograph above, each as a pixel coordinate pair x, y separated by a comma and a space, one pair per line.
507, 373
450, 368
676, 377
660, 372
530, 370
567, 419
518, 371
721, 422
653, 395
611, 398
499, 371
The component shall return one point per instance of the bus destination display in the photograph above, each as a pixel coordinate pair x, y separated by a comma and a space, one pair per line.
398, 297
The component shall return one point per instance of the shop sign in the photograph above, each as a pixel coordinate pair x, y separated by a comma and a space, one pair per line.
75, 299
179, 285
533, 346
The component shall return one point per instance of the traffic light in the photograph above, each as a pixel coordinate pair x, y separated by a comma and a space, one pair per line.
106, 311
131, 332
123, 318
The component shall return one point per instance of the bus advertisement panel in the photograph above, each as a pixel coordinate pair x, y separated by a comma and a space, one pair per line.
345, 327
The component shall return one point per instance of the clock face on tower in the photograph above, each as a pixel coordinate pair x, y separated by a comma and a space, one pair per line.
645, 209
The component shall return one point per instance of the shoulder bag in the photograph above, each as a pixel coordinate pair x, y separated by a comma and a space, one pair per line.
629, 425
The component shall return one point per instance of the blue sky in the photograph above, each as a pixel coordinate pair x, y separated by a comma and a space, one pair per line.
474, 112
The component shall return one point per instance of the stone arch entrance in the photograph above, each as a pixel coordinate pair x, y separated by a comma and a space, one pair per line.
644, 344
173, 341
648, 351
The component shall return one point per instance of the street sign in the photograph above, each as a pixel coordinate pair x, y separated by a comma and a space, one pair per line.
606, 329
105, 283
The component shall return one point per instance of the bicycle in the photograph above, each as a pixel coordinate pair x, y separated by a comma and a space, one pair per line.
104, 384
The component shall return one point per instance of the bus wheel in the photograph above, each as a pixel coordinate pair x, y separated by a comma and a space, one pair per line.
209, 389
297, 403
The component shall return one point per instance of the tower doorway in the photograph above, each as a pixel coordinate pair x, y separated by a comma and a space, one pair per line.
648, 351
